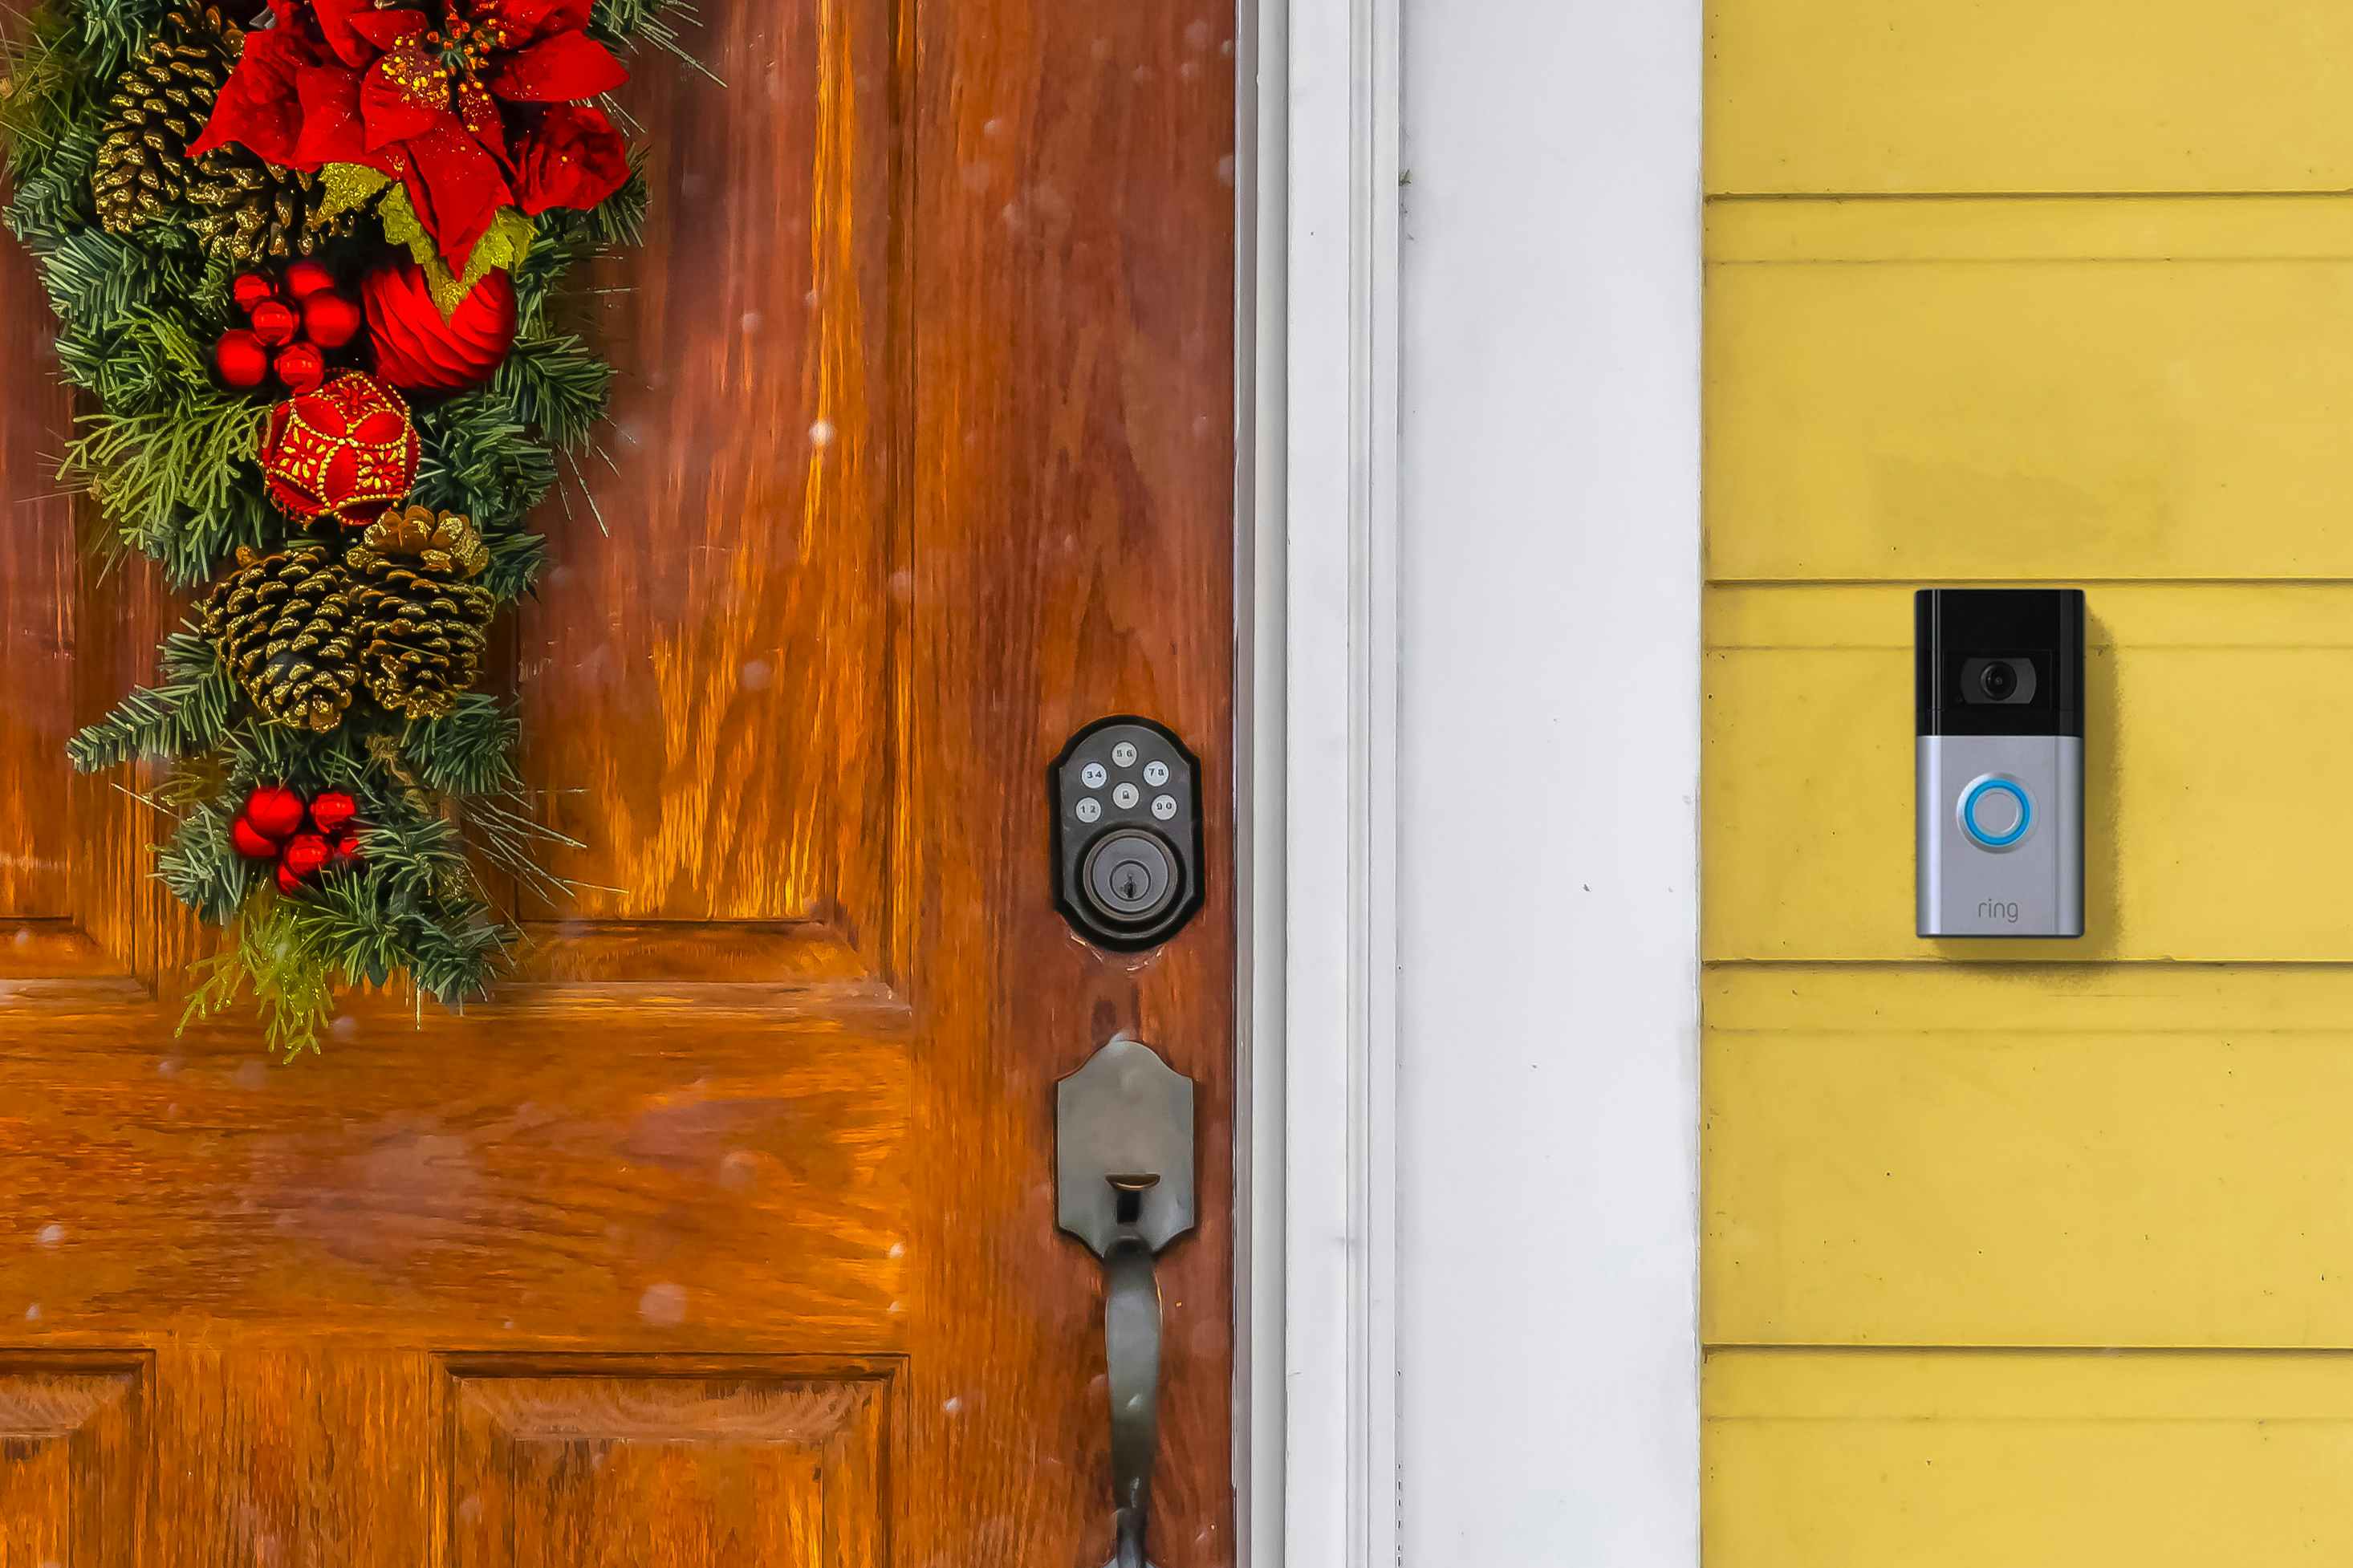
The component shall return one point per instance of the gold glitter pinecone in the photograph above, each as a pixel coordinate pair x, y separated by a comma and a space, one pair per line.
285, 624
237, 205
160, 106
251, 211
424, 625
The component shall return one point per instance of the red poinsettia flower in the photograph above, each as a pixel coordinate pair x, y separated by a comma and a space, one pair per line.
456, 109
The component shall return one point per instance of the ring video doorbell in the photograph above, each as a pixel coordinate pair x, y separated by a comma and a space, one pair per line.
2001, 760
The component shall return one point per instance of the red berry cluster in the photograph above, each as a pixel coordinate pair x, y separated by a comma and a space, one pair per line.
304, 837
293, 323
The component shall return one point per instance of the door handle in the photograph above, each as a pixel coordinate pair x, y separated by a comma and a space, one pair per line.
1123, 1186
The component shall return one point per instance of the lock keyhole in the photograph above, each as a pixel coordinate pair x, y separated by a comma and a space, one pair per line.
1131, 877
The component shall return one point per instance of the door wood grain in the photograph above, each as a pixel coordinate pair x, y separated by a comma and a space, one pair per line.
724, 1234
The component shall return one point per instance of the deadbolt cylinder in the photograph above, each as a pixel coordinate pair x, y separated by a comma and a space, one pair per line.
1130, 877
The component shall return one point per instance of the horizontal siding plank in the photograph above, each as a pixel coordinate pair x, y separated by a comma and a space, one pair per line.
2040, 418
2027, 1156
1810, 96
1864, 1460
2217, 748
2310, 226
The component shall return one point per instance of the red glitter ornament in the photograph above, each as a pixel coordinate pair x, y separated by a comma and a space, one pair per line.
305, 278
331, 810
347, 451
241, 358
275, 811
328, 320
300, 366
252, 842
417, 348
274, 321
306, 853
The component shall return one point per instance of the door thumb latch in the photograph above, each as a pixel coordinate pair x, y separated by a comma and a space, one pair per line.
1124, 1185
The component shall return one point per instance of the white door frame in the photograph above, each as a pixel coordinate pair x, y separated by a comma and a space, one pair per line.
1405, 1321
1319, 133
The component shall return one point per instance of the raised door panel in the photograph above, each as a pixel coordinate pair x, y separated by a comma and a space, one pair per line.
38, 582
2025, 95
72, 904
73, 1461
711, 684
609, 1467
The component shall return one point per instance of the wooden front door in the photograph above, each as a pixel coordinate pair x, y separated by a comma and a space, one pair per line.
727, 1237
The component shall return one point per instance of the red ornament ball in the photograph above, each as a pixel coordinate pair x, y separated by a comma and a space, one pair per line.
249, 842
347, 851
300, 366
275, 811
331, 810
331, 320
241, 358
416, 348
347, 451
250, 289
305, 278
306, 853
288, 881
274, 323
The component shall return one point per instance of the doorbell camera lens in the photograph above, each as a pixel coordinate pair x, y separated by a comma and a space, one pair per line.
1999, 680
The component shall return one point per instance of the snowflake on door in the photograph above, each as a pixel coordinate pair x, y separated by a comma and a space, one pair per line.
304, 271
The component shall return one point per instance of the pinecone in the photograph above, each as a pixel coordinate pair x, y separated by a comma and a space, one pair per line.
424, 628
251, 211
237, 205
160, 105
285, 624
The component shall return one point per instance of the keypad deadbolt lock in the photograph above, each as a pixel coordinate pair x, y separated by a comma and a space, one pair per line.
1127, 796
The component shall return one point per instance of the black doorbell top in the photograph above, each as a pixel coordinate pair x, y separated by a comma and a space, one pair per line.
1127, 797
1999, 661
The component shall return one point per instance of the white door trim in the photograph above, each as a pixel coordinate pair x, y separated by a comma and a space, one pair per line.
1318, 182
1469, 1330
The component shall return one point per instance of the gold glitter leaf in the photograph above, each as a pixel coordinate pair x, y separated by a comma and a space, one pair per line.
350, 186
502, 247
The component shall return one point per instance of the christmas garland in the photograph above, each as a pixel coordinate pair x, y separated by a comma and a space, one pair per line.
305, 272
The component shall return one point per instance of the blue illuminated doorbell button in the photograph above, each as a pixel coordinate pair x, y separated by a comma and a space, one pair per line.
1997, 813
1999, 802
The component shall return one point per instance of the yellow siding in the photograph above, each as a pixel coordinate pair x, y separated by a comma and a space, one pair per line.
1943, 1181
2029, 95
2073, 406
1994, 1461
2036, 1155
